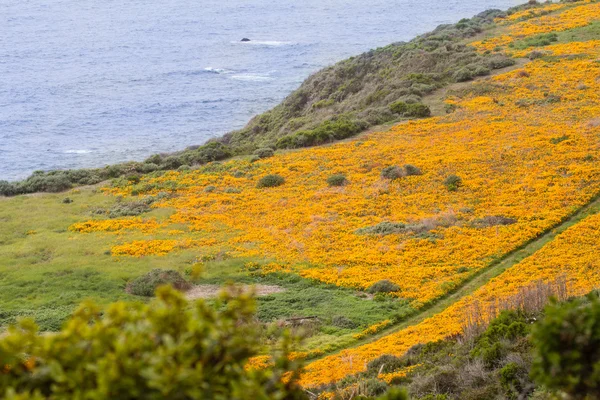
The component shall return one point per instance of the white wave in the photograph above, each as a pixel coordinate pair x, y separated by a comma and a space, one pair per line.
251, 77
218, 70
77, 151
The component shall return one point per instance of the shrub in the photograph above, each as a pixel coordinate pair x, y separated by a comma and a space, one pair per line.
411, 170
146, 285
130, 208
410, 110
7, 189
383, 228
385, 363
493, 220
264, 152
392, 172
270, 181
67, 200
567, 348
210, 189
343, 322
167, 349
383, 286
453, 182
337, 180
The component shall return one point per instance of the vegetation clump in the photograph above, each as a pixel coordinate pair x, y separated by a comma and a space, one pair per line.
264, 152
269, 181
453, 182
167, 349
382, 229
411, 170
337, 180
410, 110
392, 172
383, 286
147, 284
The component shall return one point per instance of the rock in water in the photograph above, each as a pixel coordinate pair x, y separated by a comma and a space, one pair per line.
245, 40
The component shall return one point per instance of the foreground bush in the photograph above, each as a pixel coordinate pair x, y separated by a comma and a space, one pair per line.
567, 341
147, 284
167, 349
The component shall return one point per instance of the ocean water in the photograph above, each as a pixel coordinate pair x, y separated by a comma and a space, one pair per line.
85, 83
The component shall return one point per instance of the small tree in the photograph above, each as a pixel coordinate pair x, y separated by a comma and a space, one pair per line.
167, 349
567, 348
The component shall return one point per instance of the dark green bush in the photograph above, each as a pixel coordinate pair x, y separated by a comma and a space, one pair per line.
383, 286
270, 181
7, 189
334, 129
392, 172
453, 182
337, 180
567, 348
411, 170
410, 110
146, 285
264, 152
167, 349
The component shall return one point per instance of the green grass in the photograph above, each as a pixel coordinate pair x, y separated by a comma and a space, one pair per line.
585, 33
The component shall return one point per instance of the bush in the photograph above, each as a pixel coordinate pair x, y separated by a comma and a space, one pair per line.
264, 152
567, 348
392, 172
411, 170
453, 182
343, 322
146, 285
7, 189
383, 228
167, 349
385, 363
337, 180
410, 110
270, 181
334, 129
383, 286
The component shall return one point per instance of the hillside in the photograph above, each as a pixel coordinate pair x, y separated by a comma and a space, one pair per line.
367, 246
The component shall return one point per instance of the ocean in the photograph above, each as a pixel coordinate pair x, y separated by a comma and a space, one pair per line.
86, 83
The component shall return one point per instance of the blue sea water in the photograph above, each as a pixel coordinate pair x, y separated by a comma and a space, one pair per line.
85, 83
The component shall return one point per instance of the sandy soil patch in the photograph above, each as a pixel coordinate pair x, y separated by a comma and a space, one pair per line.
208, 291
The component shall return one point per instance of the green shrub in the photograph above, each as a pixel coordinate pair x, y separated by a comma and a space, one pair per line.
337, 180
167, 349
392, 172
382, 229
146, 285
334, 129
264, 152
270, 181
343, 322
453, 182
374, 387
7, 189
410, 110
210, 189
385, 363
383, 286
411, 170
567, 348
